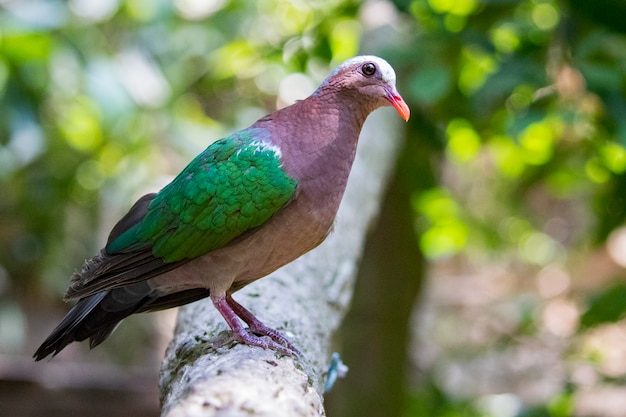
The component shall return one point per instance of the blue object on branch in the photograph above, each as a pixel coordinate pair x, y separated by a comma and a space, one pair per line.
336, 369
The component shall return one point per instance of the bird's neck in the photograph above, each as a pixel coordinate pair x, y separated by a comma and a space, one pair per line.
323, 127
318, 138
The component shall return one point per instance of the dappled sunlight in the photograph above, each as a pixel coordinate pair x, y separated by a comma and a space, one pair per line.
506, 37
443, 232
553, 281
560, 316
198, 9
505, 153
605, 347
142, 78
94, 10
463, 141
81, 125
294, 87
545, 15
455, 12
616, 246
476, 66
537, 142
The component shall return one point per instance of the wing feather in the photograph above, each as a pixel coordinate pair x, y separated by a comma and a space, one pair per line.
230, 189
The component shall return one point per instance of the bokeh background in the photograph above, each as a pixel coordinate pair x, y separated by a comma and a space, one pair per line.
492, 285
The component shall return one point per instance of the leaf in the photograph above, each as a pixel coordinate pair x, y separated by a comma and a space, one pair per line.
607, 306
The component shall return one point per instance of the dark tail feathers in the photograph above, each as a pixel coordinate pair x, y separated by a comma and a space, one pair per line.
96, 316
74, 328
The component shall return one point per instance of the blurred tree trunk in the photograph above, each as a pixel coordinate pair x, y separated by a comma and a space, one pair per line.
375, 334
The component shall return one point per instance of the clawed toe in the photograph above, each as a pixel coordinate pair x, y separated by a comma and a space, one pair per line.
266, 341
277, 338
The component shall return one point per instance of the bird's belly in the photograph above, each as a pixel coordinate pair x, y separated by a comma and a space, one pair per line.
267, 252
282, 239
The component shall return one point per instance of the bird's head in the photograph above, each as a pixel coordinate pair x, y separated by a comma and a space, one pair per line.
373, 78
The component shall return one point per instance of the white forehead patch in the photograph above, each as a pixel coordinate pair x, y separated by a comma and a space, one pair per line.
388, 74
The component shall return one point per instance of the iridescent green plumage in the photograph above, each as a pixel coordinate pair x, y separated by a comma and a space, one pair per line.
235, 185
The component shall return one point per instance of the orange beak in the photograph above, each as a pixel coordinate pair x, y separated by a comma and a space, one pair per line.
399, 104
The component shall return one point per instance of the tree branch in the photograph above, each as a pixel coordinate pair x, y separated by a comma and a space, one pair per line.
205, 373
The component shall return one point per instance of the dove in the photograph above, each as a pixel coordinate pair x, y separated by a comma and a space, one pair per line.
248, 204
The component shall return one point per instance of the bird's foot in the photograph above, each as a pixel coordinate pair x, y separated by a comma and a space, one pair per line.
256, 326
275, 336
252, 338
257, 333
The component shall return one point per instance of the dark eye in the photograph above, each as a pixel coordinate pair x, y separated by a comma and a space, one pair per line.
369, 69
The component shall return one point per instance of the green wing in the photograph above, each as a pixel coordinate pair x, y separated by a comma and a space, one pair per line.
235, 185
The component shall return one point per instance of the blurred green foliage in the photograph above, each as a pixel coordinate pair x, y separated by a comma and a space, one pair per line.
519, 105
526, 99
527, 95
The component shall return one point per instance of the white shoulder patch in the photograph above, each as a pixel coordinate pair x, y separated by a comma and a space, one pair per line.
258, 145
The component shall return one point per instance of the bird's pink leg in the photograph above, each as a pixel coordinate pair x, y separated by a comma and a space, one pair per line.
257, 326
232, 313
